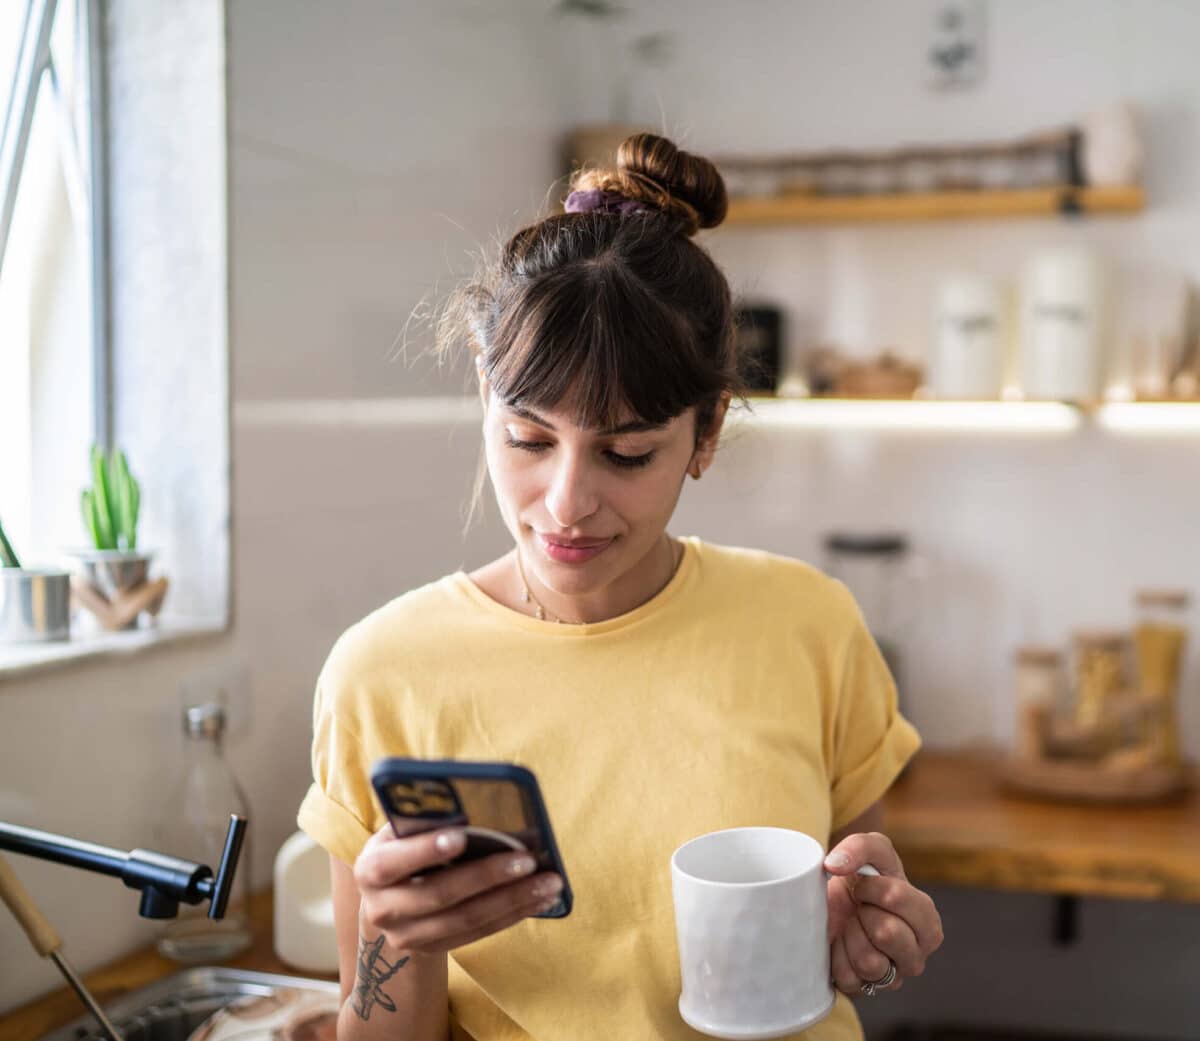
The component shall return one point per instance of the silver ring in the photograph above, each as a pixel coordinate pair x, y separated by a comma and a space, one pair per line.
871, 986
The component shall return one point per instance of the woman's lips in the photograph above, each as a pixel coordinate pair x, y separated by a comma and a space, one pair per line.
572, 551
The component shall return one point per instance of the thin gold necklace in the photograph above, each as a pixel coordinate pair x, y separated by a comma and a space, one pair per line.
527, 595
539, 608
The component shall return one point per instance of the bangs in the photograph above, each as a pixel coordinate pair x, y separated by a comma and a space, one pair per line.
591, 341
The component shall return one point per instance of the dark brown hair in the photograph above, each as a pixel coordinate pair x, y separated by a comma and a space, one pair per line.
605, 313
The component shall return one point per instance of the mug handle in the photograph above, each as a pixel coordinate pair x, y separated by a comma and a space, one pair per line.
866, 869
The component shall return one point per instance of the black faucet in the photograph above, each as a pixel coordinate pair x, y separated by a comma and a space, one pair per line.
164, 881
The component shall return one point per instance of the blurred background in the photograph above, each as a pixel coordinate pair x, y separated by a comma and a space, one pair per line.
962, 238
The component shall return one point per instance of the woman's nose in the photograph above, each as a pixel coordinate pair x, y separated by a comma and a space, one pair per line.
571, 497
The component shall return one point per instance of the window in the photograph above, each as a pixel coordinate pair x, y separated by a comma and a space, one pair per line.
53, 343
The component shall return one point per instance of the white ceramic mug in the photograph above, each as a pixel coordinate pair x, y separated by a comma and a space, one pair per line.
751, 918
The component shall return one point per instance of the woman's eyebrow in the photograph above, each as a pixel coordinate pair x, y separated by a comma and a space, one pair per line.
533, 417
634, 426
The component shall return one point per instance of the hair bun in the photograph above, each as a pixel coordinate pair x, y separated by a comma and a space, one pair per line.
654, 170
655, 174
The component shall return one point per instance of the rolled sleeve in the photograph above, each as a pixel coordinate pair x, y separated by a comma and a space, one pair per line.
338, 812
872, 741
332, 826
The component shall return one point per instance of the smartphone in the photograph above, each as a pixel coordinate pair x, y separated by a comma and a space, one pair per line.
499, 805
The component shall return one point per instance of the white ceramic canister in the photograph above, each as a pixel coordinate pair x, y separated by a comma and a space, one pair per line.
967, 360
1113, 151
1064, 325
304, 931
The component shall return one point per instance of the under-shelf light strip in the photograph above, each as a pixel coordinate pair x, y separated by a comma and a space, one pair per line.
991, 416
1166, 417
800, 413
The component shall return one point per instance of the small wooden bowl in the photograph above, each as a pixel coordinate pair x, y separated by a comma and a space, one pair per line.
1093, 782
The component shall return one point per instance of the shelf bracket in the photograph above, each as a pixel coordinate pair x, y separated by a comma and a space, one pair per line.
1066, 921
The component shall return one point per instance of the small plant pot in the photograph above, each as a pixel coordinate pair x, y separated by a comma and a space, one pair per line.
35, 605
114, 573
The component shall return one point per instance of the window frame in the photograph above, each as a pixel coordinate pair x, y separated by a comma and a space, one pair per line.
35, 60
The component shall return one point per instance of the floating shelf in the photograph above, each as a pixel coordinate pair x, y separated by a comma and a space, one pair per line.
927, 206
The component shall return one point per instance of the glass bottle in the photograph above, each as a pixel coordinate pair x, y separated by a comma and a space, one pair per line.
1159, 635
194, 825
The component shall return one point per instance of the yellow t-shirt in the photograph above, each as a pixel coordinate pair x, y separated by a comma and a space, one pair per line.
747, 692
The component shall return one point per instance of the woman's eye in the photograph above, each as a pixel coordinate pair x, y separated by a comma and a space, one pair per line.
526, 446
630, 461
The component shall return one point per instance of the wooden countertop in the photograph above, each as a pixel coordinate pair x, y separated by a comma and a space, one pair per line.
952, 824
949, 821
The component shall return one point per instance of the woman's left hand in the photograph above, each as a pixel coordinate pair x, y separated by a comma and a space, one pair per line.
876, 919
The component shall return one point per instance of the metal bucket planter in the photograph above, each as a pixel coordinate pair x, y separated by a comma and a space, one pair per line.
35, 605
114, 572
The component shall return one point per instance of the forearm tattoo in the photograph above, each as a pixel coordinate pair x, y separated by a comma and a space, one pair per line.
373, 972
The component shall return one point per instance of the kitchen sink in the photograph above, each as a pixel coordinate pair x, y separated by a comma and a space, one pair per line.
171, 1008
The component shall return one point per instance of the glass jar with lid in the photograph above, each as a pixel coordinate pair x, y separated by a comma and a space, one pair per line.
874, 566
1039, 696
1159, 638
1099, 672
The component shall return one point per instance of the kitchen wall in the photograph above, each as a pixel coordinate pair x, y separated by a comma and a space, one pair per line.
373, 148
364, 162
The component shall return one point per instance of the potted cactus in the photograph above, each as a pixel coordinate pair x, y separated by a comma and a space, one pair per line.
34, 602
114, 566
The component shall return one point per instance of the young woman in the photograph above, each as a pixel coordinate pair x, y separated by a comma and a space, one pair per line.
659, 687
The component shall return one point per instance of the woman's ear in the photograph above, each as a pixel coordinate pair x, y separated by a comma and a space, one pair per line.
706, 442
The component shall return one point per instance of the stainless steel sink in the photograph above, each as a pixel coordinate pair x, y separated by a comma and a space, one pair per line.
172, 1008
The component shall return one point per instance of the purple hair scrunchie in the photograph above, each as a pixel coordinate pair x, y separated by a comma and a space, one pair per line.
606, 202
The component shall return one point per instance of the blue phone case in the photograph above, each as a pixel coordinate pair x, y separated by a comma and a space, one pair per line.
499, 804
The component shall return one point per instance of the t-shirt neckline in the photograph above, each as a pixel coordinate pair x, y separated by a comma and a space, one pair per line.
461, 581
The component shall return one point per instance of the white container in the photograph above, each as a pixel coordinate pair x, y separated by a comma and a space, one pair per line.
1113, 152
304, 931
1064, 326
967, 358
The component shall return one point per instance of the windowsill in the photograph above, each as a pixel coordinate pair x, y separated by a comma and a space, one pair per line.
20, 659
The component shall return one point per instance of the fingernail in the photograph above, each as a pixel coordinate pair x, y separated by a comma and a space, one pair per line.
837, 860
521, 865
450, 841
548, 887
547, 905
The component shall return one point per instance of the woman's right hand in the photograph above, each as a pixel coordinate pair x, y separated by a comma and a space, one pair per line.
444, 909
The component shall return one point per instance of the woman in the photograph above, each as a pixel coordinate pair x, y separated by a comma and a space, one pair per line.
659, 687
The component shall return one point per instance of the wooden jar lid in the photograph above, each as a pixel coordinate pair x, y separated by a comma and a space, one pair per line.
1104, 639
1038, 654
1176, 598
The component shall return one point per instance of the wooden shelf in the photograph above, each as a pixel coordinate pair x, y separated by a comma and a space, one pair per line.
952, 823
929, 206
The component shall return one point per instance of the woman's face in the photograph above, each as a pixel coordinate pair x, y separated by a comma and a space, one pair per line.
585, 507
